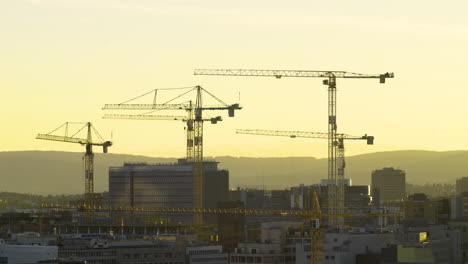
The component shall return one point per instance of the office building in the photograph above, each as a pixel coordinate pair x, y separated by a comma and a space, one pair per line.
252, 198
357, 197
231, 227
206, 255
461, 185
459, 207
166, 185
19, 254
388, 186
420, 207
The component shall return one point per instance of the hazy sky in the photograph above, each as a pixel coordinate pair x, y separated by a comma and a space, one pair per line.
62, 60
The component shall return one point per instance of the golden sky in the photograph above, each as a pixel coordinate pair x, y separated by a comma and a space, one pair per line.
62, 60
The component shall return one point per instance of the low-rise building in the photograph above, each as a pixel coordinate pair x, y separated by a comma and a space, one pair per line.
206, 255
420, 207
21, 254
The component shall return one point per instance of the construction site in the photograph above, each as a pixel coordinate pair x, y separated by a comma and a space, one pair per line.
187, 211
233, 132
193, 197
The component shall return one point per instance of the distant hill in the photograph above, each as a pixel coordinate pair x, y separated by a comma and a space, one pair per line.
51, 172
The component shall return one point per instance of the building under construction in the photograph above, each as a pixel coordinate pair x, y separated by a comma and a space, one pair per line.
167, 185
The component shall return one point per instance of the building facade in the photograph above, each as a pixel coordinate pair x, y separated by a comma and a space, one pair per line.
420, 207
19, 254
461, 185
166, 185
388, 186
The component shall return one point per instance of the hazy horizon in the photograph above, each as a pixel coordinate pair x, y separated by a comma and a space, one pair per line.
228, 155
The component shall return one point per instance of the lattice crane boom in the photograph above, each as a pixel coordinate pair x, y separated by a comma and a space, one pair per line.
186, 107
213, 120
299, 134
82, 141
292, 73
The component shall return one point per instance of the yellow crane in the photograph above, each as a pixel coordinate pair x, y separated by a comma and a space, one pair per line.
194, 122
316, 231
339, 143
334, 197
88, 142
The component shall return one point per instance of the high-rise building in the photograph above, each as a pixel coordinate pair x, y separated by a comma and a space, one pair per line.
459, 207
166, 185
388, 186
461, 185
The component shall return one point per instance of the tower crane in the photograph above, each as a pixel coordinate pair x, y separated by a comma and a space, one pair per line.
88, 156
335, 184
339, 143
194, 122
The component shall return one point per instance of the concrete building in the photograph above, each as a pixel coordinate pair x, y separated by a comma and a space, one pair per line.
357, 197
388, 186
258, 253
344, 248
420, 207
461, 186
105, 250
459, 207
166, 185
275, 244
206, 255
462, 227
279, 199
231, 227
252, 198
21, 254
289, 243
300, 197
436, 243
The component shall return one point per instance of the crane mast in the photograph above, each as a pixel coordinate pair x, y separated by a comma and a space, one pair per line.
336, 187
194, 121
88, 157
198, 157
89, 167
